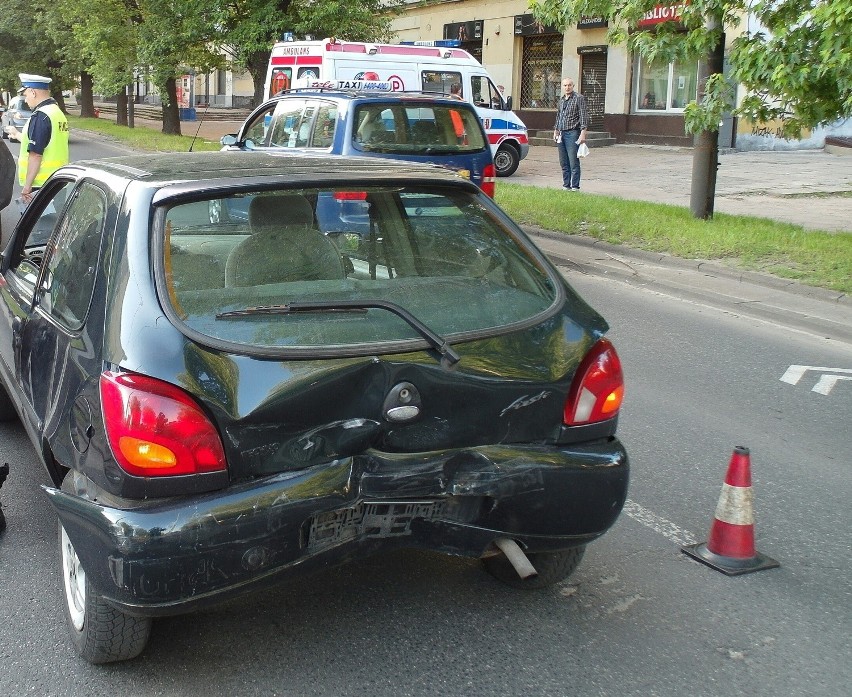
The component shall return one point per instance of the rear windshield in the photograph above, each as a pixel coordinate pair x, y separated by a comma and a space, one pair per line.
417, 129
231, 266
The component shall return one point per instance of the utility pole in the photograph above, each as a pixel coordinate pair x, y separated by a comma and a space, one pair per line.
705, 154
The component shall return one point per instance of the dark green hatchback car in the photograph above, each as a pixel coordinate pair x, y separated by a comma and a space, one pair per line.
236, 369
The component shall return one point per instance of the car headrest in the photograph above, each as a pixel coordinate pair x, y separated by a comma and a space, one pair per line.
279, 210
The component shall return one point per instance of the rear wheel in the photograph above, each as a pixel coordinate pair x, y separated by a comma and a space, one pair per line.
99, 632
506, 160
552, 567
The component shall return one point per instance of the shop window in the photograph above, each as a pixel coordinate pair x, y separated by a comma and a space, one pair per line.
541, 75
665, 86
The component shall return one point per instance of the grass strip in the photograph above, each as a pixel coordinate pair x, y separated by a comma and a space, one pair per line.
817, 258
142, 137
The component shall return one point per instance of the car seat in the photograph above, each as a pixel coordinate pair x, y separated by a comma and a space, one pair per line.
283, 246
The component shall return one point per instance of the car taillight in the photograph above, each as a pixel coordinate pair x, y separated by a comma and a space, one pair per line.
156, 429
489, 179
598, 388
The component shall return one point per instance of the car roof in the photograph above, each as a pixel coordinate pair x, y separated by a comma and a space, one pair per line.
162, 169
370, 96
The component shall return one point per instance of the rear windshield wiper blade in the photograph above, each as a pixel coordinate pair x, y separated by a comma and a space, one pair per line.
287, 309
436, 341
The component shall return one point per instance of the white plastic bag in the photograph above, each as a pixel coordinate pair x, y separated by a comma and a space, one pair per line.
583, 150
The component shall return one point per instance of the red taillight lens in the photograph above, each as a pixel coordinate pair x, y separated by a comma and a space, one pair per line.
156, 429
598, 388
350, 195
489, 180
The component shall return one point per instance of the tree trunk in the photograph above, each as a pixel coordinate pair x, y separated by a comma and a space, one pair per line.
87, 101
705, 154
171, 112
121, 109
257, 69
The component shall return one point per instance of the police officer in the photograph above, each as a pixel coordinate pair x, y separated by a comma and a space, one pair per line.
44, 142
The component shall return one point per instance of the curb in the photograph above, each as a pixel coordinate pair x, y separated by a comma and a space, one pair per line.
790, 305
701, 265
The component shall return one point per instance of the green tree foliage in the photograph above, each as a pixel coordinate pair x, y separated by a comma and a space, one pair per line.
796, 64
105, 32
799, 68
25, 47
251, 27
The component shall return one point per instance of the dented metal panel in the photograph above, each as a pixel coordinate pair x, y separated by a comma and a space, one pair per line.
166, 556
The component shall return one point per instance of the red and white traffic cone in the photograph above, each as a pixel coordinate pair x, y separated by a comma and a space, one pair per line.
730, 547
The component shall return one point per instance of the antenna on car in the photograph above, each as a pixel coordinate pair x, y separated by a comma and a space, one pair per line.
200, 122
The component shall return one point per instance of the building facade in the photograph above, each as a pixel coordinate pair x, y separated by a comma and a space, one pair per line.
635, 100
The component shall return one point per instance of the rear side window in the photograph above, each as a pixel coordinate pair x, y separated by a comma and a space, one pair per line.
417, 129
290, 125
293, 123
440, 255
73, 259
441, 82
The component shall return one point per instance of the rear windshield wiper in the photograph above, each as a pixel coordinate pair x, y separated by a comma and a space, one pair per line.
436, 341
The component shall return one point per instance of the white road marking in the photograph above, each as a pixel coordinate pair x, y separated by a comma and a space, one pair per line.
825, 382
658, 524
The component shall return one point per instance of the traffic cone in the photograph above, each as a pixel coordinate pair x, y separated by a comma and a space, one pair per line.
730, 547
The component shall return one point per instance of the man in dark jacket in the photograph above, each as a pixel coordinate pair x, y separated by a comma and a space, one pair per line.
569, 131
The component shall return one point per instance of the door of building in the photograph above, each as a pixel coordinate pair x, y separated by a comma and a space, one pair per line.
593, 86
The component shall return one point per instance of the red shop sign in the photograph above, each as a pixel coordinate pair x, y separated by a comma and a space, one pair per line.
662, 13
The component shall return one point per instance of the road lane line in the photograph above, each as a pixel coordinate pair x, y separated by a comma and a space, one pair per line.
658, 524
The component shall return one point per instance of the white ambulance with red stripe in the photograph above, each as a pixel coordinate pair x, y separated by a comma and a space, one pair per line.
430, 66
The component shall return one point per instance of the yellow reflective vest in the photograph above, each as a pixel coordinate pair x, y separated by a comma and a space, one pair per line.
55, 154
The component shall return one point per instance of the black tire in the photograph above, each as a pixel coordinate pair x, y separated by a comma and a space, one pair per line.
7, 407
506, 160
99, 632
552, 567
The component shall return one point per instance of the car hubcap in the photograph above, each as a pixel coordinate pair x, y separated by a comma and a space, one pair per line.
502, 161
75, 583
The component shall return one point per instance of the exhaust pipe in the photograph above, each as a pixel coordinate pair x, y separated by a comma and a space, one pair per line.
519, 561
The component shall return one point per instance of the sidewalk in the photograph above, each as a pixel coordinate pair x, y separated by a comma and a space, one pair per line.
792, 186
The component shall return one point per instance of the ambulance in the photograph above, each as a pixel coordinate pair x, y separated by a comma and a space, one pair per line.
424, 66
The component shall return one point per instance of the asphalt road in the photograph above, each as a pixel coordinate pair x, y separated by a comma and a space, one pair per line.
637, 618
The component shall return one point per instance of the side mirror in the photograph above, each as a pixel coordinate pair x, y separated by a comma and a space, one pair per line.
509, 103
228, 140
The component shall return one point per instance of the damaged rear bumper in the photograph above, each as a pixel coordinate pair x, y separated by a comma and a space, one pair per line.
172, 555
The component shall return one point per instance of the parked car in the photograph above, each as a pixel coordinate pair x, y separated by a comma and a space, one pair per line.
414, 127
16, 114
375, 357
